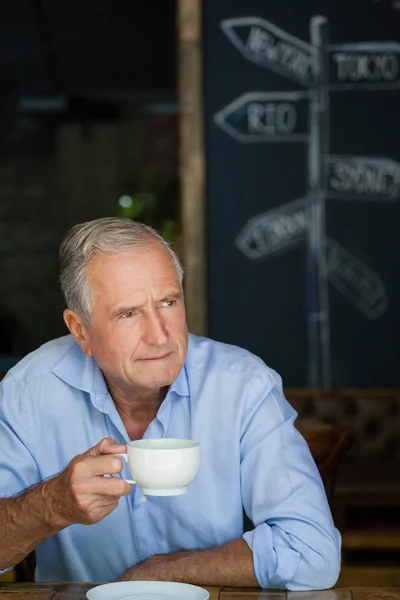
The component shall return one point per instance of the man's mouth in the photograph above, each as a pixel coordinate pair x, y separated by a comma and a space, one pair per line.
159, 357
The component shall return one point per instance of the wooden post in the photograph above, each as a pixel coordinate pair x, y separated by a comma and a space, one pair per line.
192, 161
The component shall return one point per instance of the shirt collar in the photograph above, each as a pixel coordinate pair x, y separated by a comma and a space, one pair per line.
83, 373
181, 384
77, 370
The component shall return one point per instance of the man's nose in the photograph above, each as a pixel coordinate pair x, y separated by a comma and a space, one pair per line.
155, 333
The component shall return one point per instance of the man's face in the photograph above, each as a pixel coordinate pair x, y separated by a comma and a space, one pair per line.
138, 334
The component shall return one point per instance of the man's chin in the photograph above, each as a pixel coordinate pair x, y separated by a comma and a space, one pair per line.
152, 386
157, 374
157, 382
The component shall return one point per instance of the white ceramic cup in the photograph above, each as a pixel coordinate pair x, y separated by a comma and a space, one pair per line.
163, 466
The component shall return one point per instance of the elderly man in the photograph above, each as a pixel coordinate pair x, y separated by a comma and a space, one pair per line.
129, 370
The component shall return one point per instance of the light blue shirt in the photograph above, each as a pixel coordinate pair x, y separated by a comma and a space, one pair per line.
55, 404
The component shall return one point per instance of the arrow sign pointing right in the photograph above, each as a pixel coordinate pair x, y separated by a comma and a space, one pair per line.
265, 44
368, 65
363, 178
357, 282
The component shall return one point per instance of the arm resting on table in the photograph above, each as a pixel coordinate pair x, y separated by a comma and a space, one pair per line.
228, 565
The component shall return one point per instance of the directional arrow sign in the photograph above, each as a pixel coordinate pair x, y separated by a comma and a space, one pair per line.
358, 283
274, 231
266, 117
363, 178
370, 65
265, 44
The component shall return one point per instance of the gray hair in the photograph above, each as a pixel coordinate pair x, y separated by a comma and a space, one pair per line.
110, 235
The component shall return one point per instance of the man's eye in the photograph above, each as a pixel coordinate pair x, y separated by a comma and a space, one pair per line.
128, 314
168, 303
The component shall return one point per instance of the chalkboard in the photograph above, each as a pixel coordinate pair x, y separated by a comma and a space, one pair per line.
303, 186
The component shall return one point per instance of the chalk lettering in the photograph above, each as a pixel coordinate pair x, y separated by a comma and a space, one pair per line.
365, 177
367, 67
271, 118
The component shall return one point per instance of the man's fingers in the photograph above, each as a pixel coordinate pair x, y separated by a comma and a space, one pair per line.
103, 487
106, 446
120, 489
98, 448
106, 464
113, 486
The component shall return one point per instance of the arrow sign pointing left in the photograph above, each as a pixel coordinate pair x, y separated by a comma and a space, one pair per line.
274, 231
269, 46
266, 117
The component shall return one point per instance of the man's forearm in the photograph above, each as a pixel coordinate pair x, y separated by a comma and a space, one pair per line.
228, 565
25, 522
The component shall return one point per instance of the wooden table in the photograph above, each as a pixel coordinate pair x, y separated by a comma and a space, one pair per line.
77, 591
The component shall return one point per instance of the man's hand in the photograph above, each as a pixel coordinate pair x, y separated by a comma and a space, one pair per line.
81, 493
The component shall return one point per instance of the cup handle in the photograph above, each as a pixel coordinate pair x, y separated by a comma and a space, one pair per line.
125, 458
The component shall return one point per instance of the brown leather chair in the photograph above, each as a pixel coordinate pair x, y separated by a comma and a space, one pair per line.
328, 445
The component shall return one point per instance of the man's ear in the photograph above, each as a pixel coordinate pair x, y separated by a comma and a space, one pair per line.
78, 329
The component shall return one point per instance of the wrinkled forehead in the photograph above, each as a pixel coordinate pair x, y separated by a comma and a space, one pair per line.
137, 272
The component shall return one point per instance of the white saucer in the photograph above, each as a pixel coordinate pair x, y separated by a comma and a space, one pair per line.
147, 590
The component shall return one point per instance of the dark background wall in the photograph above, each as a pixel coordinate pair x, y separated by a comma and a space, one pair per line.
87, 102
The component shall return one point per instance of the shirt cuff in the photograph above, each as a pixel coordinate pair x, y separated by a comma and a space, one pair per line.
274, 567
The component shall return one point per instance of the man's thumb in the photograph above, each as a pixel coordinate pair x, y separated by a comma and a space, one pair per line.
106, 446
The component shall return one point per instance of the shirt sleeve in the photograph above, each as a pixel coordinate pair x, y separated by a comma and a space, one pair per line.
294, 542
18, 469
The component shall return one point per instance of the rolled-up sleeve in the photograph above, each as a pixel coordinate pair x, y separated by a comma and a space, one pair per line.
295, 544
18, 468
